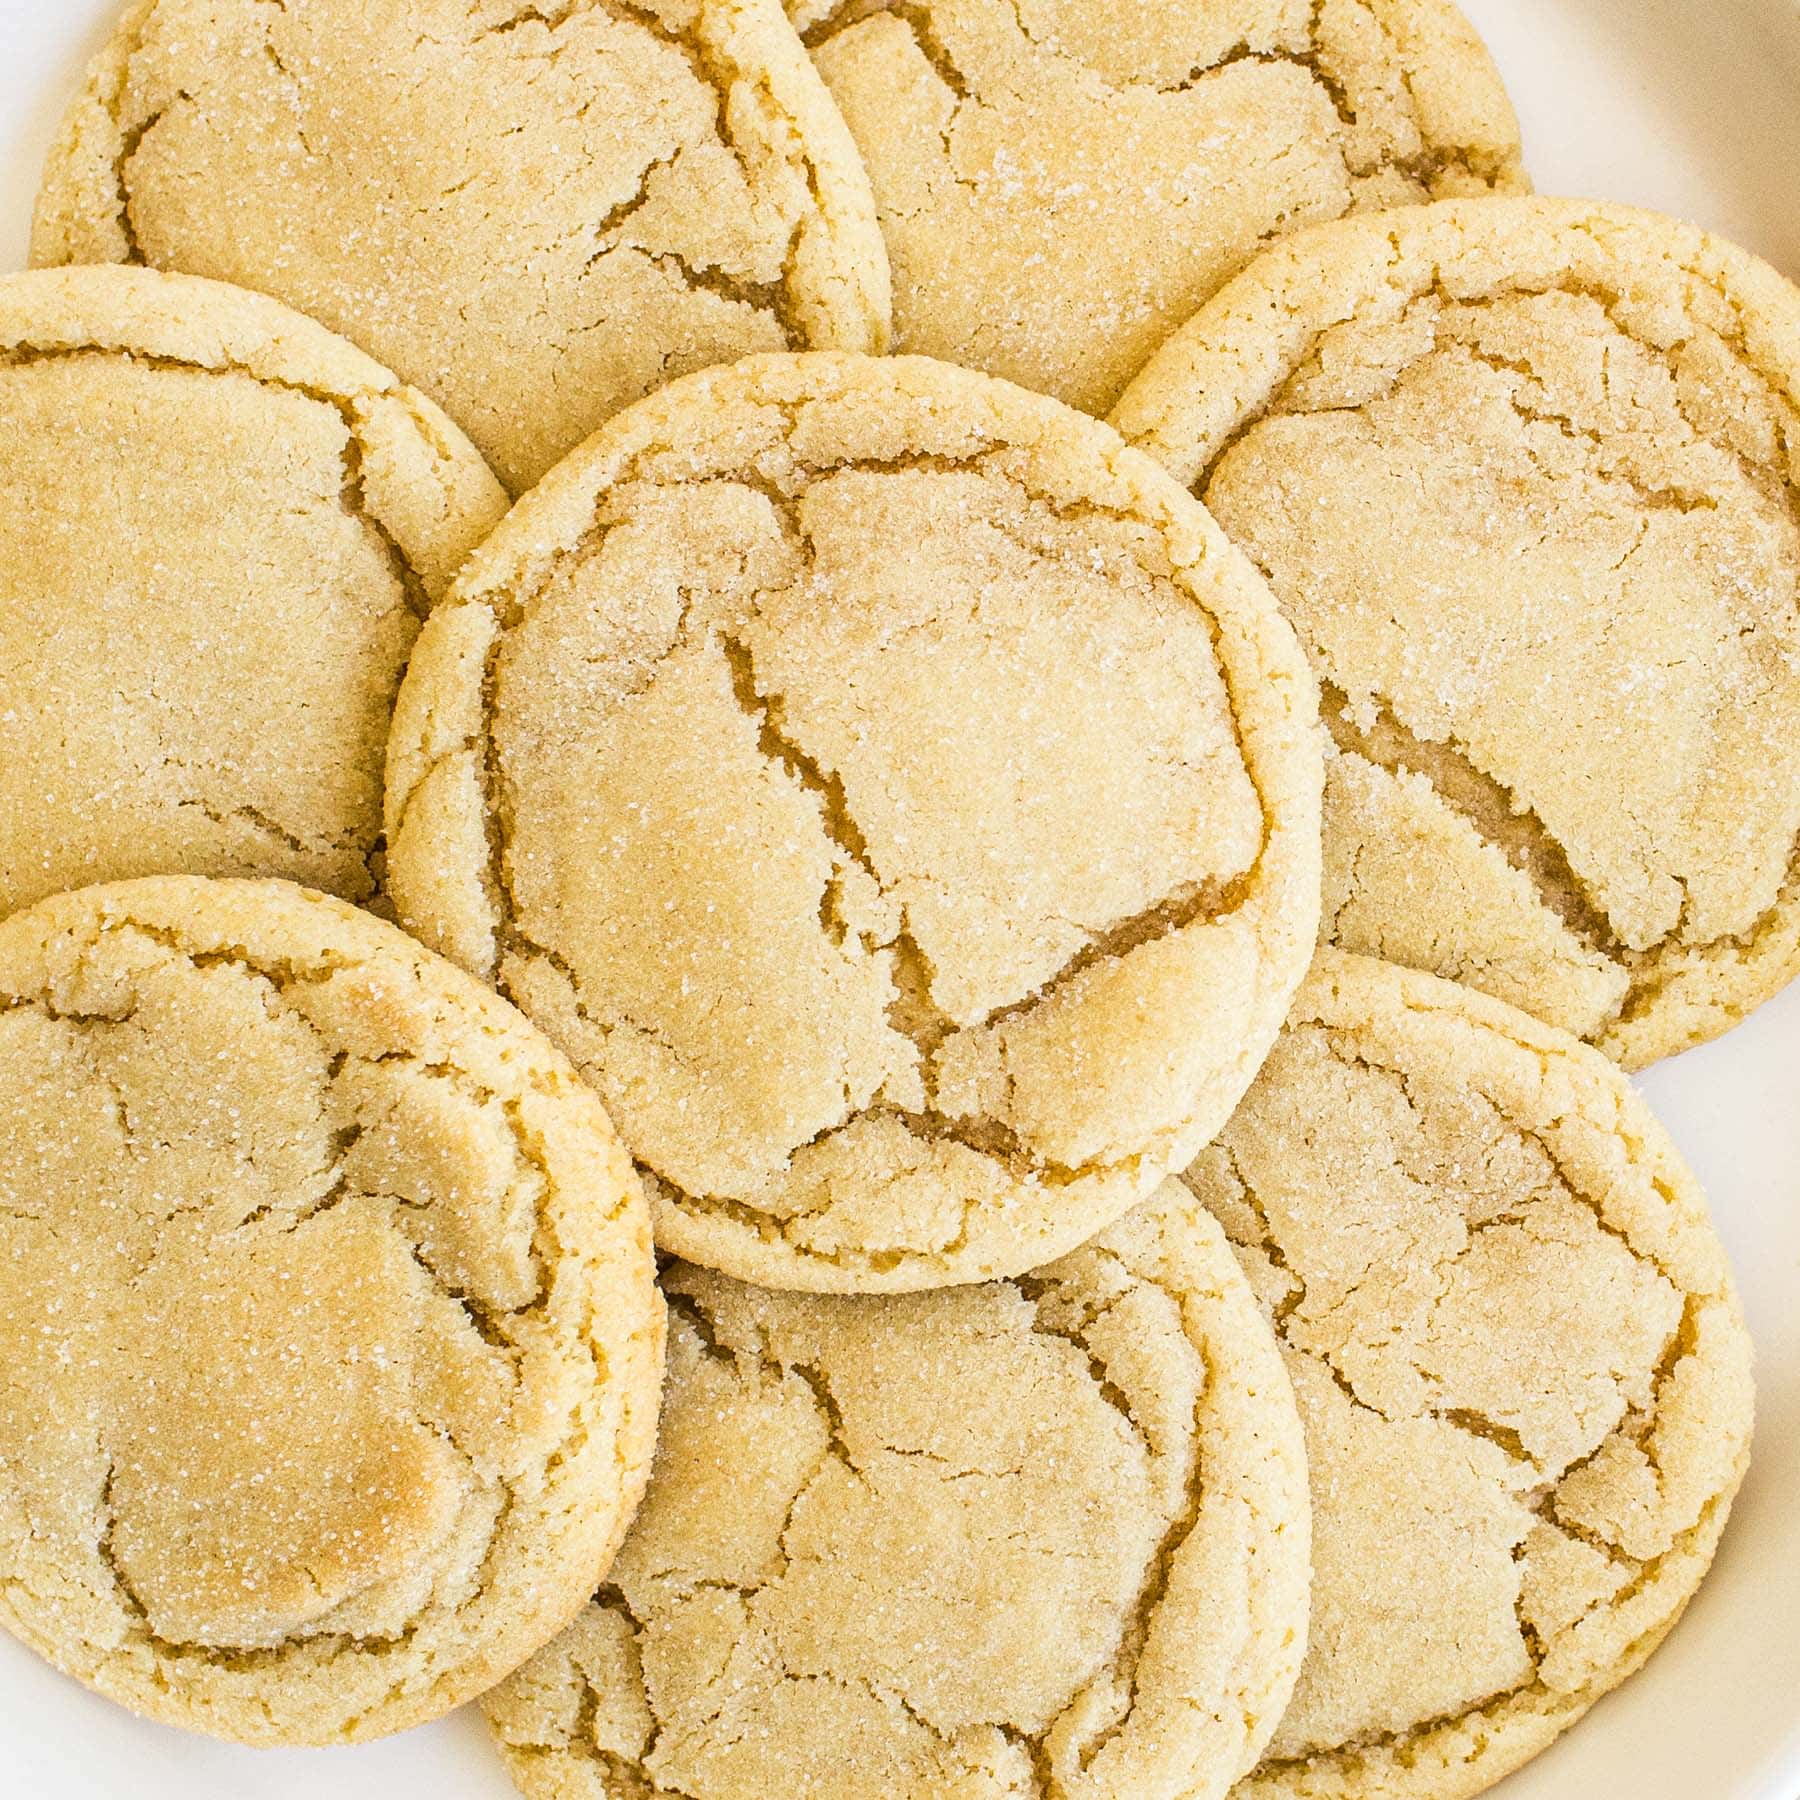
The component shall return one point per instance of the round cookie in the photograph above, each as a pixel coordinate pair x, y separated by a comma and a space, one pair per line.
1061, 182
1037, 1536
1525, 474
894, 794
535, 213
220, 527
1520, 1363
333, 1340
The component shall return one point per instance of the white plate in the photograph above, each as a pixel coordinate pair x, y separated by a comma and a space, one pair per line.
1692, 106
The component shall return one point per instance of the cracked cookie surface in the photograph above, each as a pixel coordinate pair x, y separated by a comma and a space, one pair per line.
1525, 475
1062, 182
220, 527
535, 213
333, 1341
893, 793
1037, 1538
1520, 1362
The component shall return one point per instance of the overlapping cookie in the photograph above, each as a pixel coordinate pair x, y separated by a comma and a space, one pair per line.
535, 214
220, 528
1045, 1536
1062, 182
1519, 1357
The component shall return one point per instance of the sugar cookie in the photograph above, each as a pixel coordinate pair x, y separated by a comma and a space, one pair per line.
1520, 1362
332, 1339
220, 527
1044, 1536
1061, 182
534, 213
892, 792
1525, 474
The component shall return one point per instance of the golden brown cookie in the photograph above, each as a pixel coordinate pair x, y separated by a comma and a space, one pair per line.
534, 213
332, 1339
220, 527
1043, 1536
893, 793
1061, 182
1520, 1363
1525, 474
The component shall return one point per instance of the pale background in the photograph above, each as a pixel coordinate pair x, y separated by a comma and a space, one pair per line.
1692, 106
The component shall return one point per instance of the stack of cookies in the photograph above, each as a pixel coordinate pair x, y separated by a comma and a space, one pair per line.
568, 816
